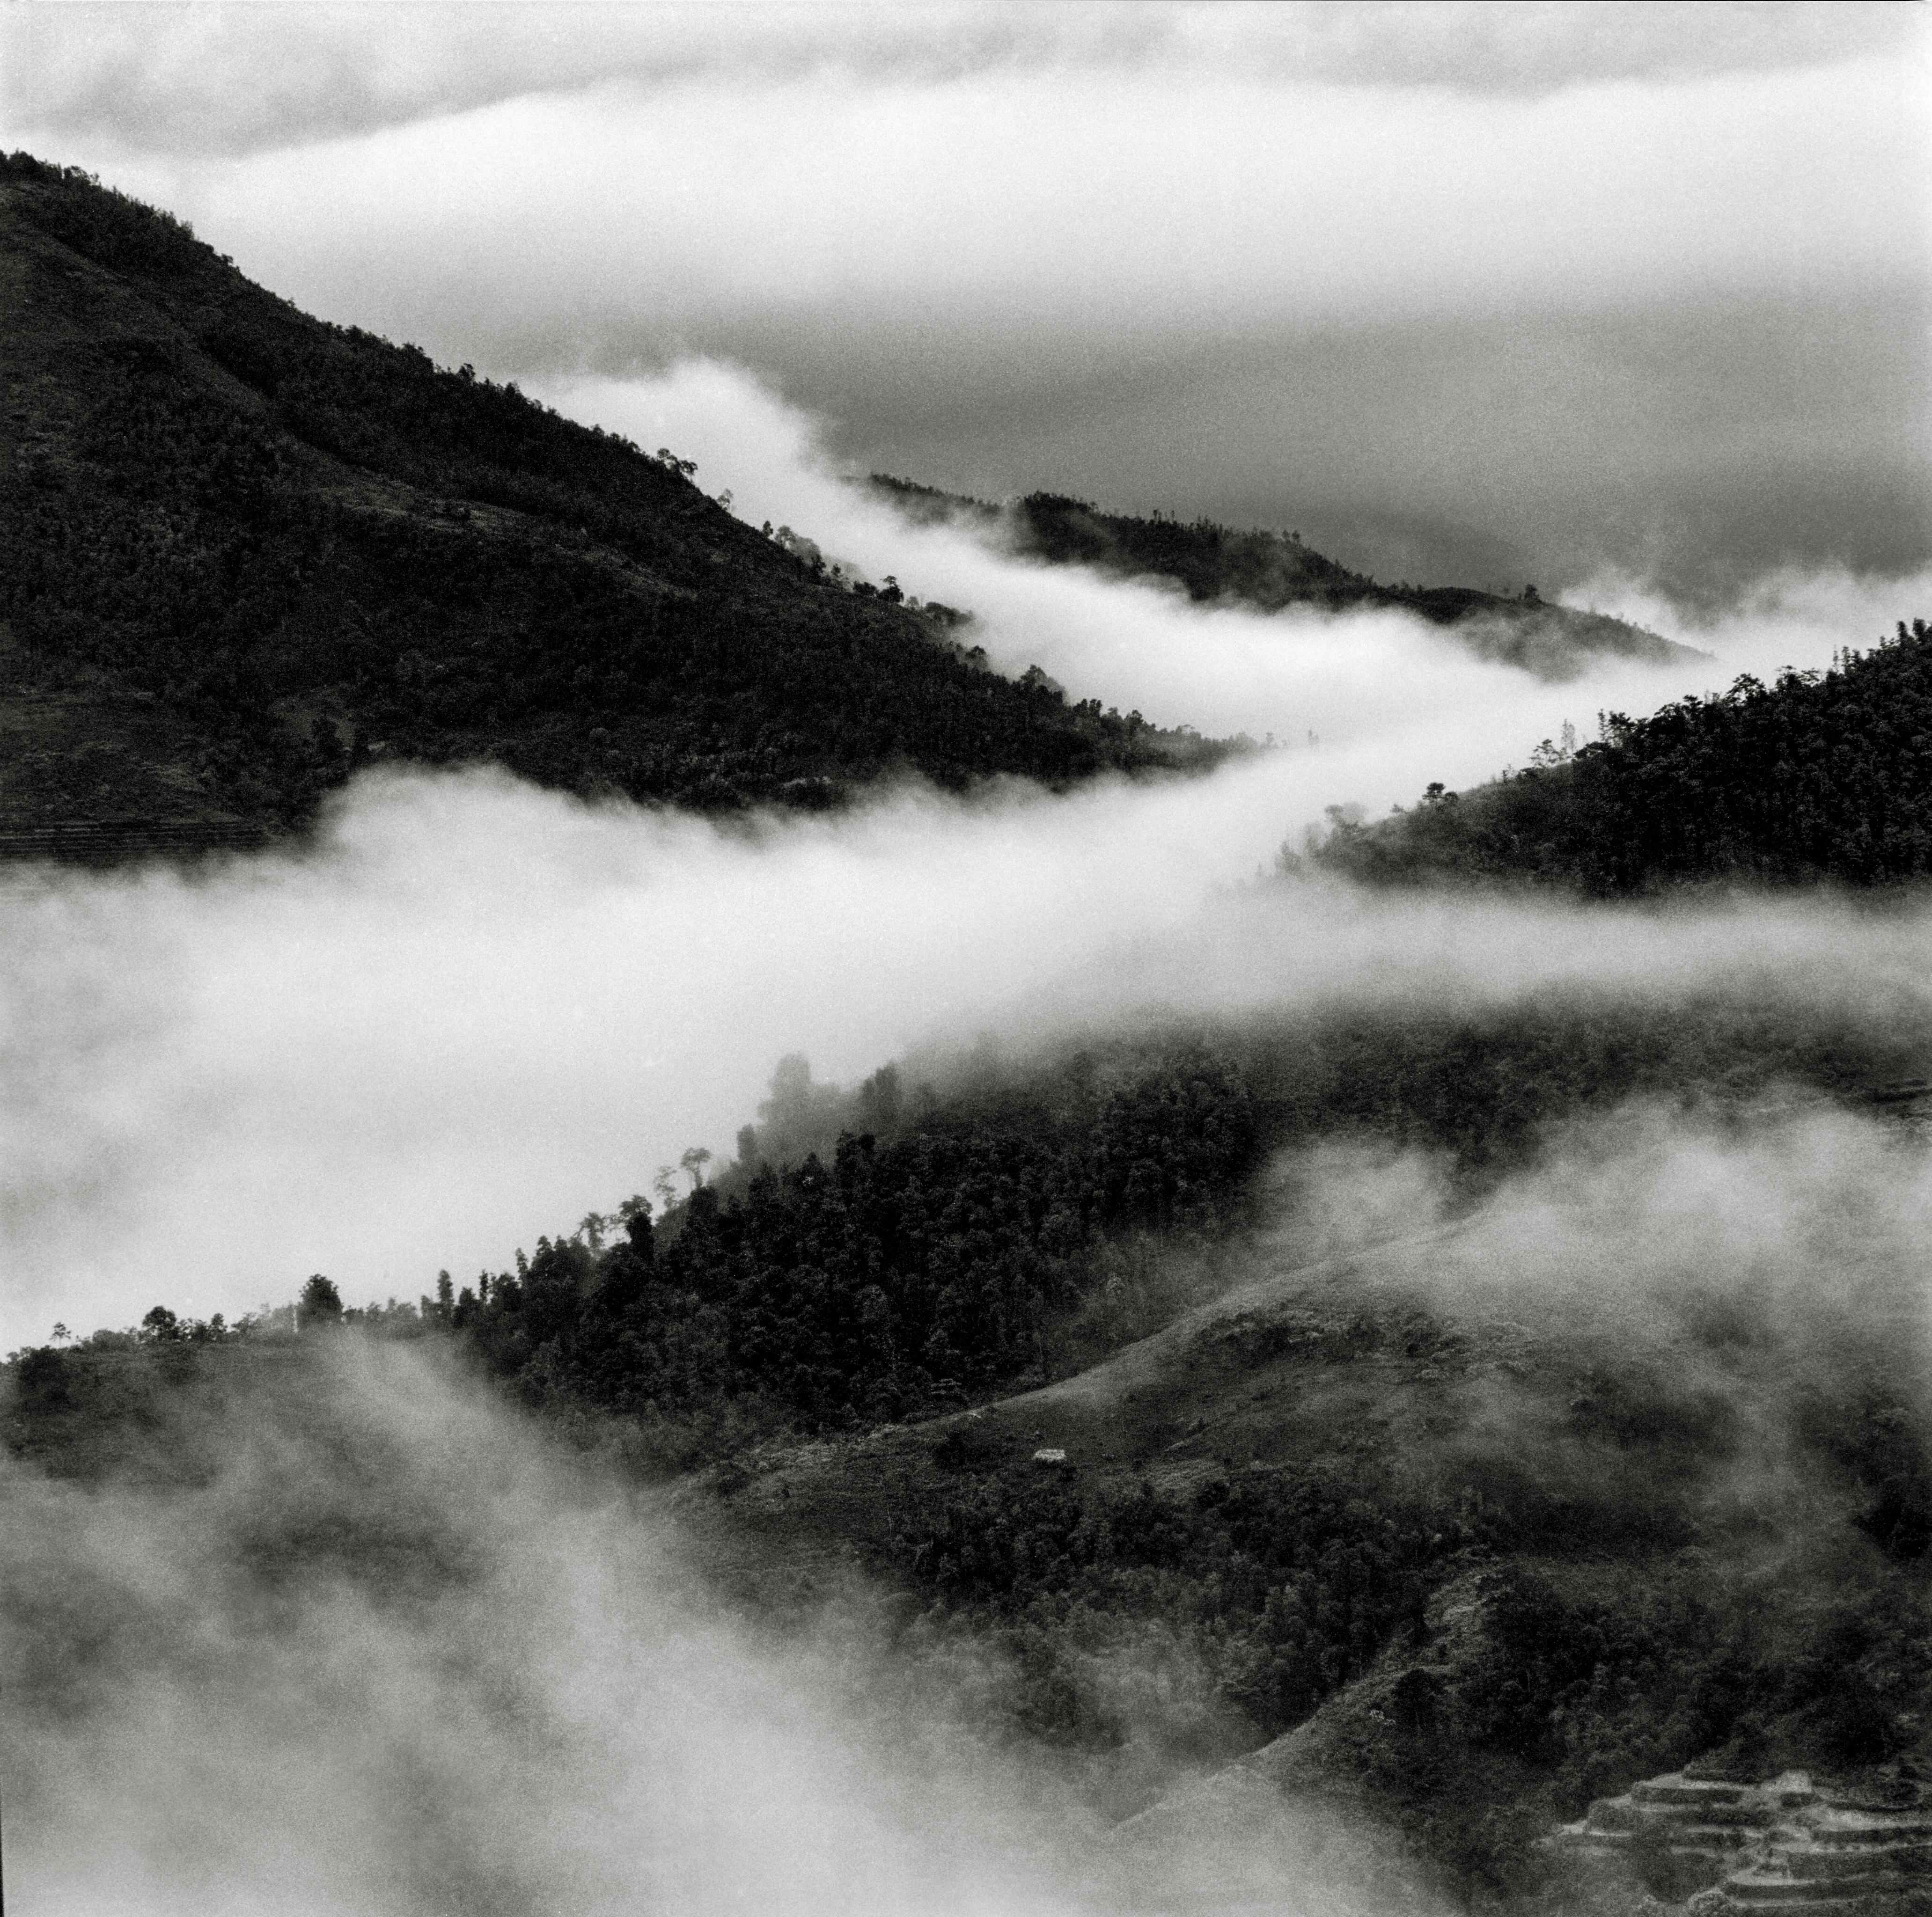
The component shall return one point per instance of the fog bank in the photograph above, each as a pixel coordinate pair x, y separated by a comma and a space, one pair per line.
477, 1012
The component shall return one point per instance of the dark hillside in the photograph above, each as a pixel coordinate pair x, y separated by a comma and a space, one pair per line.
1817, 777
1429, 1527
1288, 1501
1272, 571
245, 551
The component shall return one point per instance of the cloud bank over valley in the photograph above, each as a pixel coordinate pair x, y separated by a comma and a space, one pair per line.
474, 1011
1241, 1352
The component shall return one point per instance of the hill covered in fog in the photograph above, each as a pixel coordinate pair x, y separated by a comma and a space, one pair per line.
1463, 1411
1272, 571
1385, 1413
247, 551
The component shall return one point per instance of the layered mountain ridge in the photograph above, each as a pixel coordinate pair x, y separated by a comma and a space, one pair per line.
248, 552
1469, 1533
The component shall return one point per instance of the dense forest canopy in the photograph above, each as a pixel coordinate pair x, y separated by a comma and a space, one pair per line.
249, 551
1817, 776
873, 1254
1272, 571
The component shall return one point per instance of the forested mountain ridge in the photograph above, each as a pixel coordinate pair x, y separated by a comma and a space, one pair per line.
1817, 776
1272, 571
247, 551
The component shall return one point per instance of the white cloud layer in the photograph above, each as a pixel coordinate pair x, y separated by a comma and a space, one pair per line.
1039, 200
211, 78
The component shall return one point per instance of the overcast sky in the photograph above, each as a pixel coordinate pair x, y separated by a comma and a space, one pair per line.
1475, 292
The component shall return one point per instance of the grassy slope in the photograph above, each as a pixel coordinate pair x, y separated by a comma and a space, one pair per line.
1272, 571
246, 551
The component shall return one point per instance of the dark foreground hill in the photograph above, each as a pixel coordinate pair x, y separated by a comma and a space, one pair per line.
1272, 571
1817, 777
245, 552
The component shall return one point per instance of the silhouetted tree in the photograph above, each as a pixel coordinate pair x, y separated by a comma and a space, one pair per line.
319, 1304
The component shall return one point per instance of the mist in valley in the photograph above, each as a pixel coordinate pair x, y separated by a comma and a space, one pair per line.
1541, 1401
473, 1011
374, 1644
374, 1602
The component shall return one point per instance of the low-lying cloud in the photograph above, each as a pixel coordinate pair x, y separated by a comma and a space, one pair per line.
478, 1012
1221, 668
1635, 1225
474, 1012
400, 1658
